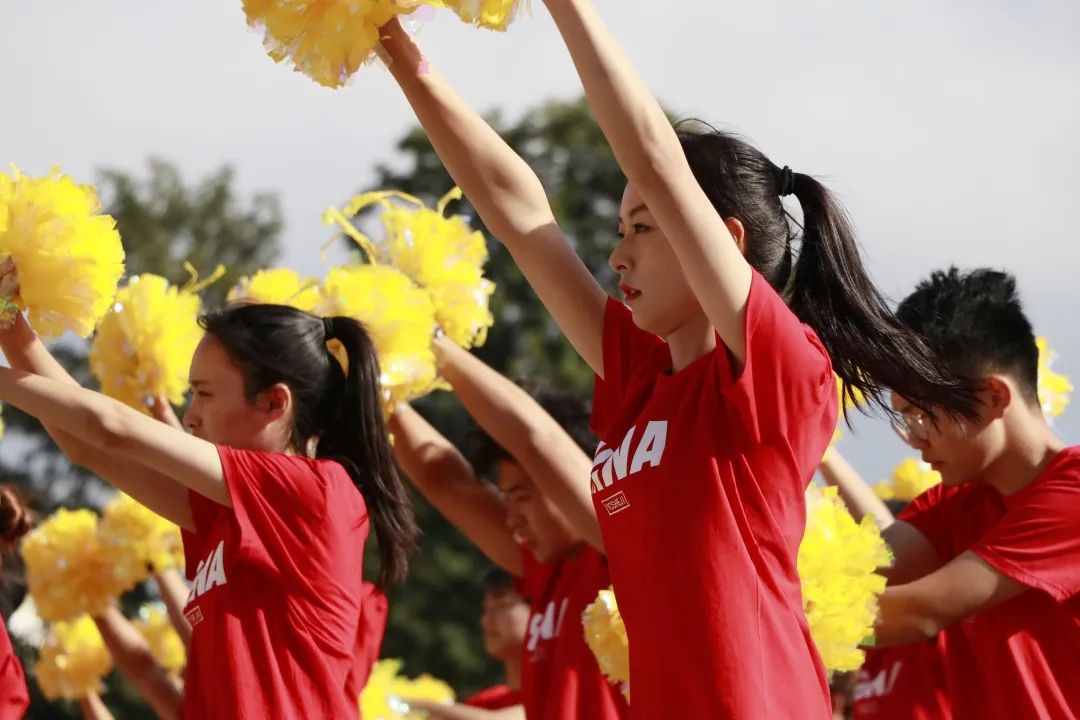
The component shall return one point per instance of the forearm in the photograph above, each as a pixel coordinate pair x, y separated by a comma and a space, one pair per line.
446, 480
132, 655
174, 592
520, 426
93, 708
856, 494
504, 190
634, 123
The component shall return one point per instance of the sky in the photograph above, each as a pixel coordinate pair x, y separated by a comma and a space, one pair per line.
949, 130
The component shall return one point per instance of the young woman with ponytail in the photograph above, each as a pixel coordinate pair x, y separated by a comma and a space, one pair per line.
714, 396
287, 462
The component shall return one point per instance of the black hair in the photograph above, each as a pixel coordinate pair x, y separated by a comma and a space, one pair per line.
825, 282
976, 324
497, 581
570, 411
341, 410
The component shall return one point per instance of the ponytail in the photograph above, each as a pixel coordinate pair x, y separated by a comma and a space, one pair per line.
337, 405
16, 519
825, 282
872, 351
356, 436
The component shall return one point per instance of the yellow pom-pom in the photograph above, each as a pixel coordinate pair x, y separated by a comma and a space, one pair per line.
67, 571
137, 541
400, 318
386, 695
158, 631
838, 563
1054, 388
73, 660
60, 259
490, 14
910, 479
605, 634
143, 347
441, 254
278, 286
327, 40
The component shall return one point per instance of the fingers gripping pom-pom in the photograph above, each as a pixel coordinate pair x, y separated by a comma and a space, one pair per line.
72, 661
165, 643
60, 260
278, 286
137, 541
400, 318
66, 570
143, 347
910, 479
838, 563
387, 694
605, 634
327, 40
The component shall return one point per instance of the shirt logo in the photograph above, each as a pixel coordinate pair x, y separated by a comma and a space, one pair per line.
880, 685
209, 574
545, 625
632, 455
616, 503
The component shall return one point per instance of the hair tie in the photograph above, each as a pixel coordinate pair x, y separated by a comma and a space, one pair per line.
328, 328
787, 182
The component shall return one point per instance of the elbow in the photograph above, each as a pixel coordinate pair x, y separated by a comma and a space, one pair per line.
660, 159
107, 428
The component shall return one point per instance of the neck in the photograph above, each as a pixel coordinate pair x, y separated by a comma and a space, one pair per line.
690, 341
1030, 448
513, 671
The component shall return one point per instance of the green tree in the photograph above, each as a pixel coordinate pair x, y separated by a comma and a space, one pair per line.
434, 617
163, 221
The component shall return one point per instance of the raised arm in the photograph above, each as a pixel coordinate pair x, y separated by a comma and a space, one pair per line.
25, 352
113, 429
650, 155
132, 655
174, 592
516, 422
92, 708
507, 195
856, 494
445, 478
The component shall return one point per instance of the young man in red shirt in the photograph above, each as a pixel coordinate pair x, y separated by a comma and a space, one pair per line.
505, 623
991, 556
540, 526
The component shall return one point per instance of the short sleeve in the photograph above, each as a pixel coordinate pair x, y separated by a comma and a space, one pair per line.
629, 352
786, 378
203, 511
1037, 542
931, 514
292, 513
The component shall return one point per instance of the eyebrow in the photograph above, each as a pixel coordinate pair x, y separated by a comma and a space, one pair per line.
196, 383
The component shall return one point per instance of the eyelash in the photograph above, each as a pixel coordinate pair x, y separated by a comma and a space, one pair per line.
639, 229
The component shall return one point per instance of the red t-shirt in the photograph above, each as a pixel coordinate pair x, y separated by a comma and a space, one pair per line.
375, 611
494, 698
560, 678
1020, 659
699, 485
905, 682
276, 603
14, 697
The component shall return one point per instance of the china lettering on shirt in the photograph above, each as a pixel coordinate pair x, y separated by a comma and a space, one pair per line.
880, 685
636, 452
545, 625
209, 574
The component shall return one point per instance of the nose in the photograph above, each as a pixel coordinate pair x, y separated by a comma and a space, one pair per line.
619, 260
190, 419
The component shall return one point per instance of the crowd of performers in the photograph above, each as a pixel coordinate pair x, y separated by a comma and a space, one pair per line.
745, 302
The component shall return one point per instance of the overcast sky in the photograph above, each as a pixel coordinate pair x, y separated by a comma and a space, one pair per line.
949, 129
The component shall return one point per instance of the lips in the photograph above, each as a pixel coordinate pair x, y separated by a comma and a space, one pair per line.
629, 293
